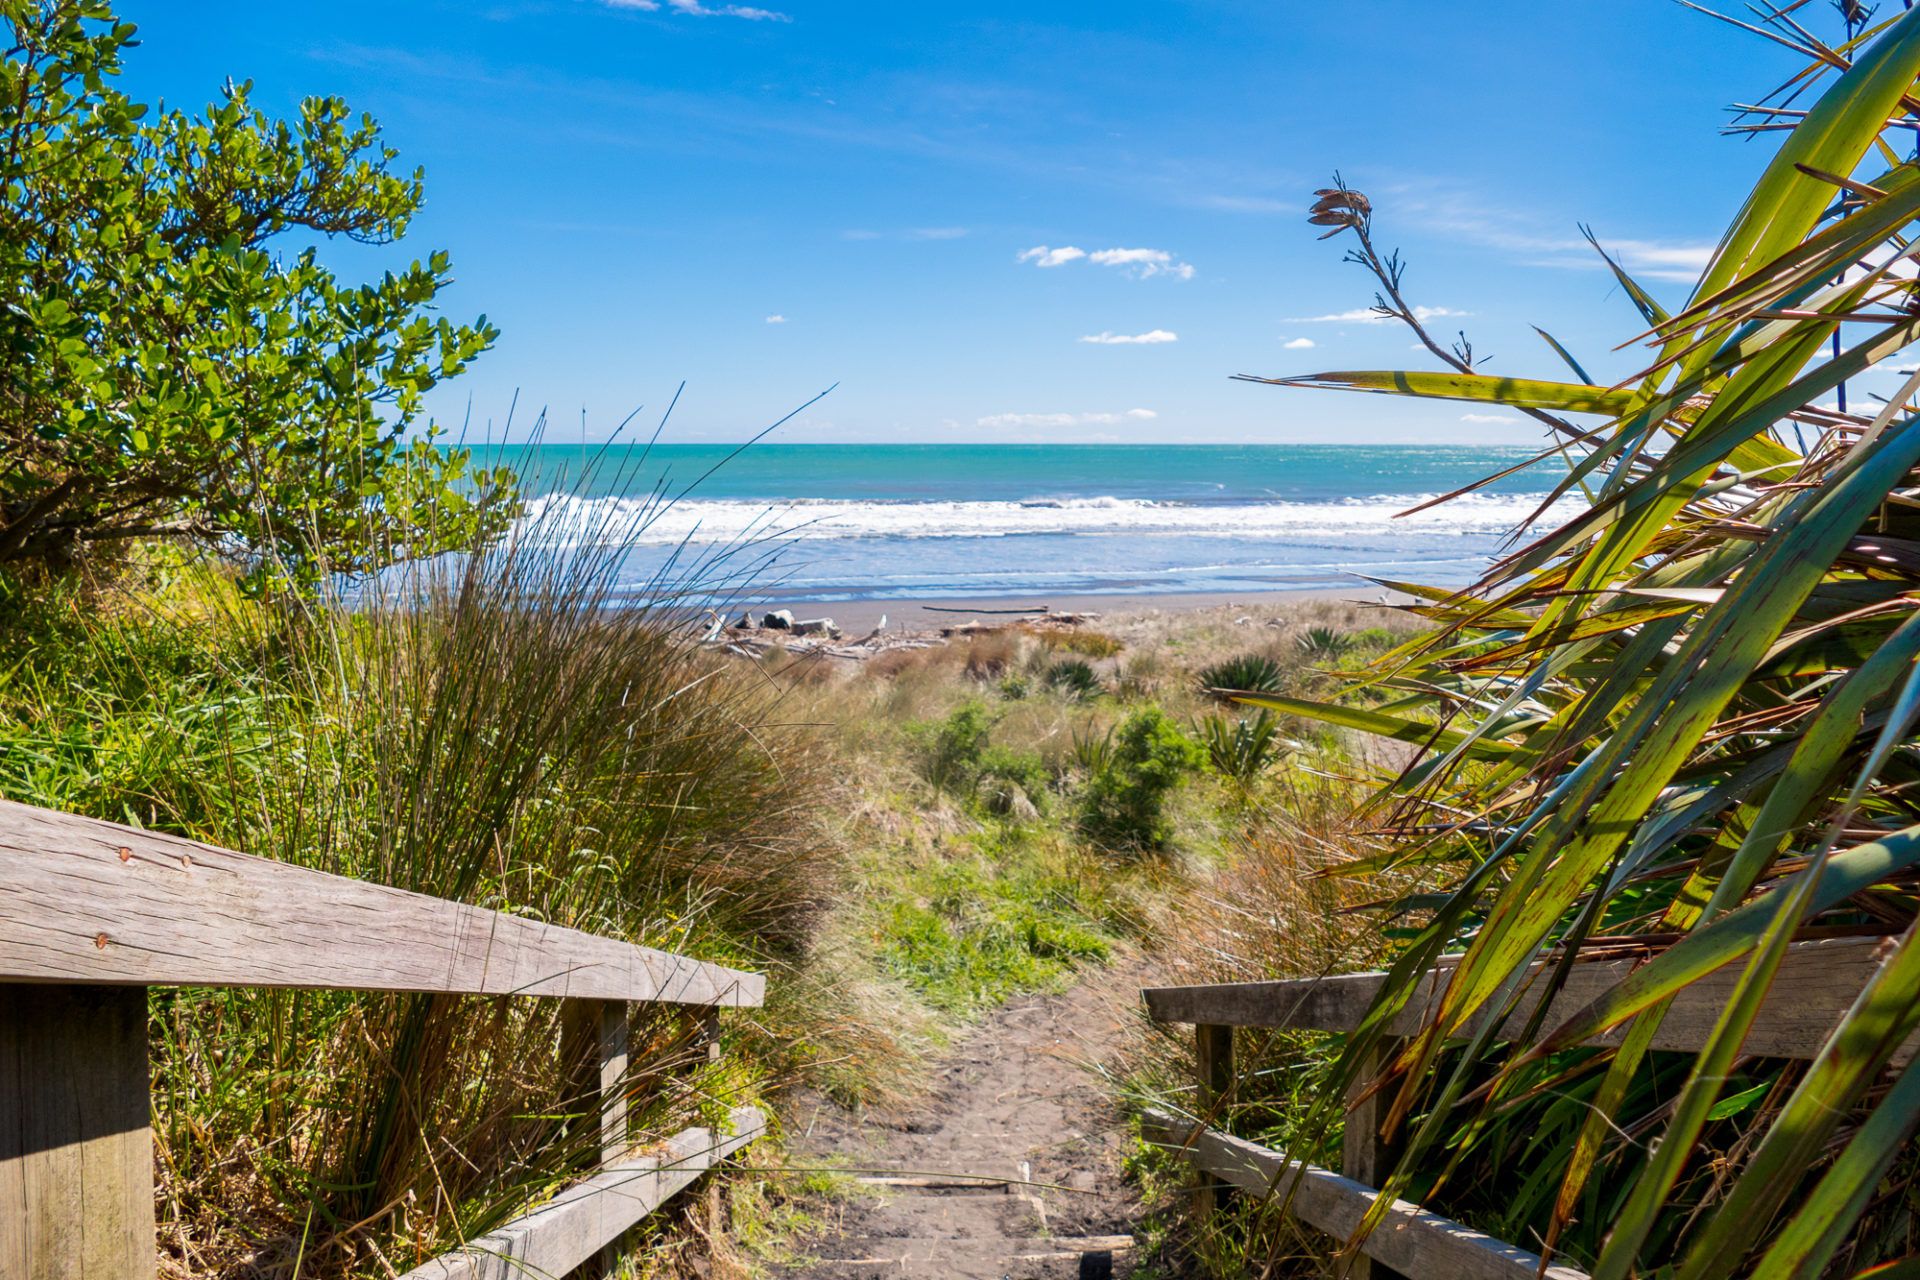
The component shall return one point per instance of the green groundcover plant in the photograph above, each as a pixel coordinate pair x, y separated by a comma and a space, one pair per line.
174, 361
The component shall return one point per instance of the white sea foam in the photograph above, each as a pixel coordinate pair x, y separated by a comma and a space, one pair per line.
722, 520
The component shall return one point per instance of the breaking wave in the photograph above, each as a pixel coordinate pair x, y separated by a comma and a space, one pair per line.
640, 522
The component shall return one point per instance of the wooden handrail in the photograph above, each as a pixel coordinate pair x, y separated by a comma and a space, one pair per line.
1817, 983
86, 901
1410, 1240
92, 913
575, 1225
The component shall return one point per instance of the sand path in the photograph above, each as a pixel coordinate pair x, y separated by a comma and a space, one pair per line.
1019, 1099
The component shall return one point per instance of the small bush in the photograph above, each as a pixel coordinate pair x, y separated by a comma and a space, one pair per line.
1007, 776
1124, 804
957, 757
1074, 678
1247, 673
1376, 639
951, 749
1015, 687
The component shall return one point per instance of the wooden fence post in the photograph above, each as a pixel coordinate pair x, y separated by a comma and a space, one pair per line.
704, 1034
1213, 1064
1363, 1156
594, 1037
76, 1136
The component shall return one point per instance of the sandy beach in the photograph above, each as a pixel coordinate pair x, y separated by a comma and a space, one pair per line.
856, 617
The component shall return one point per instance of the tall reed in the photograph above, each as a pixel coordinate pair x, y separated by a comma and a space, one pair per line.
520, 729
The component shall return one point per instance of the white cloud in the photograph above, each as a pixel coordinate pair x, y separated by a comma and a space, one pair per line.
1064, 419
1042, 256
696, 9
1469, 216
776, 319
1297, 344
1142, 262
1138, 263
1121, 257
1645, 259
1367, 315
1487, 418
1151, 338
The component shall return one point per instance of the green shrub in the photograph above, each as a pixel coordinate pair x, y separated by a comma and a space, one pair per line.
1247, 673
1006, 775
1124, 803
180, 362
951, 749
1376, 639
1074, 678
958, 758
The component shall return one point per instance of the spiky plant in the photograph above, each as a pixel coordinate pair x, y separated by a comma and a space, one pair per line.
1322, 645
1246, 672
1074, 678
1243, 747
1683, 717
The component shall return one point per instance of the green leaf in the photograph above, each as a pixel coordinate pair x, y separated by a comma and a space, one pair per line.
1477, 388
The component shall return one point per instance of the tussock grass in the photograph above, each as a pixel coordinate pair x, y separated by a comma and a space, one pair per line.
490, 731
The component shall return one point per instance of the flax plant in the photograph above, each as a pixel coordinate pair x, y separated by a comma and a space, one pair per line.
1679, 726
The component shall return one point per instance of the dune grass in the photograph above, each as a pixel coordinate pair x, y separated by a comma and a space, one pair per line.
491, 732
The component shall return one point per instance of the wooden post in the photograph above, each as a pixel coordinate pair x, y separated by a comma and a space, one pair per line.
1363, 1156
597, 1032
705, 1036
76, 1137
1213, 1064
594, 1037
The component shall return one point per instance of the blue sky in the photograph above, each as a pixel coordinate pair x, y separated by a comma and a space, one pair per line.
767, 200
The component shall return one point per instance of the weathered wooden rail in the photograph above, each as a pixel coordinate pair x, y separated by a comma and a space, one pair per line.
93, 913
1817, 983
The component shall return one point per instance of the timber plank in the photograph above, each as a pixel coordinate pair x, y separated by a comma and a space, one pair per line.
571, 1228
1410, 1240
76, 1146
87, 901
1818, 981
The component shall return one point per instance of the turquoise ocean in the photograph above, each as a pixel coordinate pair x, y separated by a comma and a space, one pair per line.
873, 522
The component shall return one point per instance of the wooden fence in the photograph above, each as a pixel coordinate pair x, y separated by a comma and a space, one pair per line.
92, 914
1816, 985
